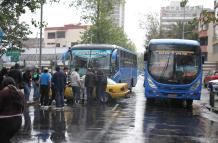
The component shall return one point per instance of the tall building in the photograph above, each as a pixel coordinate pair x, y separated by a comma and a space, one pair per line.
119, 13
174, 13
213, 51
65, 36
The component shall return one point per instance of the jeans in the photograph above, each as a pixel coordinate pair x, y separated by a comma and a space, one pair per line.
27, 90
100, 93
44, 99
59, 98
89, 91
36, 93
76, 92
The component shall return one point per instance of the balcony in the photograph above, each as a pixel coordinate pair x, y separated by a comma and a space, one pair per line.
202, 34
204, 49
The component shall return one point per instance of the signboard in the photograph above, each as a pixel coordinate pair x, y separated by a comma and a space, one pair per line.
14, 54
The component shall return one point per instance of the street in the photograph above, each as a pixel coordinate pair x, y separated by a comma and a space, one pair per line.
125, 121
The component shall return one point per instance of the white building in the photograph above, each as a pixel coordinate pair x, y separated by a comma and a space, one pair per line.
174, 13
119, 13
66, 36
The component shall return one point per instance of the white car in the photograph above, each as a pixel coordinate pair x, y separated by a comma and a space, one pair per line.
213, 86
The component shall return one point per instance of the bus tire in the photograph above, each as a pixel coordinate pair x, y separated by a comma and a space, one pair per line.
189, 103
150, 101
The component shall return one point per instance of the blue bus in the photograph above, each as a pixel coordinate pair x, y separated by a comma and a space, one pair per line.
116, 62
173, 69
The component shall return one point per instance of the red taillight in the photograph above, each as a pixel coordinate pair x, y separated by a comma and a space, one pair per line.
122, 88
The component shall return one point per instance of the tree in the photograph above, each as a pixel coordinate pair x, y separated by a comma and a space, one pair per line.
14, 30
102, 29
151, 25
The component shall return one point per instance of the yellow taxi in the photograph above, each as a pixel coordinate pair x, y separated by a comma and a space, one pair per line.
113, 91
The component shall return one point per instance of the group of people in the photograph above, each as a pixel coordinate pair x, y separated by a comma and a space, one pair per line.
45, 83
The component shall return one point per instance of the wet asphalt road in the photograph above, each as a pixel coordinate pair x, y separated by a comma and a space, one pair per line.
128, 120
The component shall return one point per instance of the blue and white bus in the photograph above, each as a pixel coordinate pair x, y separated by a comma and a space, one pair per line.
116, 62
173, 69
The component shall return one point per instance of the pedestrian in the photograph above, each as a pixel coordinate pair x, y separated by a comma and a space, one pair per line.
3, 74
27, 80
89, 84
16, 74
11, 109
83, 89
59, 80
101, 85
45, 84
36, 76
75, 83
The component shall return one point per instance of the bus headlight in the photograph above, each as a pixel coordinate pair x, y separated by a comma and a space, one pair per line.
151, 84
194, 86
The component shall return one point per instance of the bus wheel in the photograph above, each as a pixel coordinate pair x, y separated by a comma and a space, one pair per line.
150, 101
189, 103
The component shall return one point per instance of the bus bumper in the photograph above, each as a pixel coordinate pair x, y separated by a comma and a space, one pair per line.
181, 95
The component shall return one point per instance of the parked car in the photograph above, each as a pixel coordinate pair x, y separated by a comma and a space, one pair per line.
213, 86
211, 75
113, 91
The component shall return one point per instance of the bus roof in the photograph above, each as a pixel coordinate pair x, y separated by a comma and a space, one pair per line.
99, 46
174, 41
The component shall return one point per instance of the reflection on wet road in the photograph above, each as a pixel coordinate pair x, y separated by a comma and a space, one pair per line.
132, 120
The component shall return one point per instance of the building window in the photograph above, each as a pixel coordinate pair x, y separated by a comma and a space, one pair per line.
51, 35
215, 48
58, 44
60, 34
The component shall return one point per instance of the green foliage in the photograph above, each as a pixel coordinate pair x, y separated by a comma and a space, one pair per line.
151, 26
103, 30
14, 30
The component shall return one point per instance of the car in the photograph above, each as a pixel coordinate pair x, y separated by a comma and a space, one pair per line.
211, 75
113, 91
213, 86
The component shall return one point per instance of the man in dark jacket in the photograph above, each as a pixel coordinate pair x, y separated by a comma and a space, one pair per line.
90, 81
16, 74
59, 81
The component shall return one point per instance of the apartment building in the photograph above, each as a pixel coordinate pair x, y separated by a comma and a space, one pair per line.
213, 52
174, 13
65, 36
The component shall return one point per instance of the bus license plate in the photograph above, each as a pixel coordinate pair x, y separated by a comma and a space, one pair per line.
172, 95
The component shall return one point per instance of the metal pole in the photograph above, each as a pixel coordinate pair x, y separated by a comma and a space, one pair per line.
40, 43
183, 25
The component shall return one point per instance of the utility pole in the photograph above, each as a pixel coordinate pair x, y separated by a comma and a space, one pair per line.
183, 4
40, 41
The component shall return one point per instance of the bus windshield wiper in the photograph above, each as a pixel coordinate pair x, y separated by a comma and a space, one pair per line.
165, 68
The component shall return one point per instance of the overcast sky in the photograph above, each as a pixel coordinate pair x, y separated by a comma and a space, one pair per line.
60, 14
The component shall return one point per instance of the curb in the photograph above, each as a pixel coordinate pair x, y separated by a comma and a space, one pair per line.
213, 109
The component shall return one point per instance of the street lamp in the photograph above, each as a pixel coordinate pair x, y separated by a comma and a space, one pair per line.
40, 41
183, 4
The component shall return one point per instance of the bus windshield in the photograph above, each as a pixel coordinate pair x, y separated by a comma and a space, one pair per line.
176, 64
96, 59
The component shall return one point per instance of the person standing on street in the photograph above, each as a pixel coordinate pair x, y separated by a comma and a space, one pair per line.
89, 84
45, 84
101, 85
59, 81
75, 82
36, 76
16, 74
27, 79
